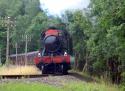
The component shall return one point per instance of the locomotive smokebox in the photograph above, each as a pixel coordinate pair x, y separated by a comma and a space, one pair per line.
51, 43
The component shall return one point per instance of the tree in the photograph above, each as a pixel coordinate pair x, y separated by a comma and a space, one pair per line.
78, 26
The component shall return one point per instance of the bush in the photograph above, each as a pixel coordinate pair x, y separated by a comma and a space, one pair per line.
98, 68
123, 82
123, 78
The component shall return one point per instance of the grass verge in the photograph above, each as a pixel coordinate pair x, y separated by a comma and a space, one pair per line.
19, 70
75, 86
27, 87
71, 86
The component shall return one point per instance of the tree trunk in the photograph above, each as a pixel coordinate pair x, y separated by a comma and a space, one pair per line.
26, 49
16, 53
0, 57
85, 68
7, 46
76, 61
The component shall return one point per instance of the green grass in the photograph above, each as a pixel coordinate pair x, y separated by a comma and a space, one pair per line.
70, 86
90, 87
74, 86
20, 86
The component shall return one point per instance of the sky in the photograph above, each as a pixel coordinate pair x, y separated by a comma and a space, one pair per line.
56, 7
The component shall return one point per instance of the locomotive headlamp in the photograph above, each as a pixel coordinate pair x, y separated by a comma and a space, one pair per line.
39, 54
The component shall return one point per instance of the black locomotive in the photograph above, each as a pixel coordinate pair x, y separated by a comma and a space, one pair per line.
56, 51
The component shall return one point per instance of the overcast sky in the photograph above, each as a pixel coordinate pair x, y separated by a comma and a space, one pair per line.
56, 7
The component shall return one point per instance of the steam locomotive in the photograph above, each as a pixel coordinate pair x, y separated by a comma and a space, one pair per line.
55, 53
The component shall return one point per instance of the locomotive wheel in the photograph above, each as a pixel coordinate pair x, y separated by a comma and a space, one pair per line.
65, 72
64, 69
44, 70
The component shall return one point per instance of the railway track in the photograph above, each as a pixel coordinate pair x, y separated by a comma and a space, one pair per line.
27, 76
51, 79
71, 74
22, 76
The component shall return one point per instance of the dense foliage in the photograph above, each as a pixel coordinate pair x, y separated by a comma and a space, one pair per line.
98, 32
99, 37
26, 19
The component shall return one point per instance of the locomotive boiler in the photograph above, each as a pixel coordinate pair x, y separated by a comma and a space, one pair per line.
55, 53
